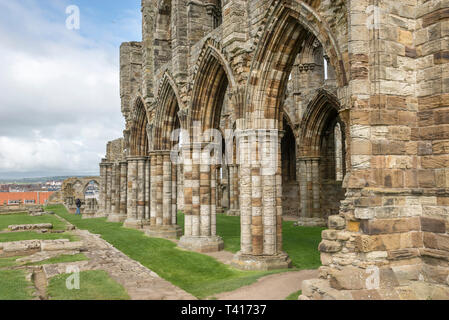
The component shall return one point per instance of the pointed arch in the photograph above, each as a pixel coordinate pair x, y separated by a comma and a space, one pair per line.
213, 76
166, 119
291, 27
138, 134
320, 111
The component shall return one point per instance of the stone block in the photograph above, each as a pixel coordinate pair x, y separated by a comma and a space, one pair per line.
330, 246
387, 226
336, 222
433, 225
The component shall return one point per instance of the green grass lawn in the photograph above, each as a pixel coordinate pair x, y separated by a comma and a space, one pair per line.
94, 285
31, 235
301, 243
198, 274
24, 218
14, 286
8, 262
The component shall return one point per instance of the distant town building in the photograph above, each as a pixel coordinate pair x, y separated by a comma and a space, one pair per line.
27, 198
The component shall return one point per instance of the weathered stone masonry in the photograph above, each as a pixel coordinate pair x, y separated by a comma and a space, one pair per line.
353, 94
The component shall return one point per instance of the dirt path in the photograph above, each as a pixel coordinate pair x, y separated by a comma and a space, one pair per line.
273, 287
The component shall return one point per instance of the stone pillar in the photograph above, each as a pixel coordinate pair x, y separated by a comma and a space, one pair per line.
234, 198
219, 191
141, 189
200, 227
163, 197
180, 187
137, 193
109, 177
146, 220
117, 186
261, 201
225, 188
120, 216
103, 180
174, 194
113, 188
310, 191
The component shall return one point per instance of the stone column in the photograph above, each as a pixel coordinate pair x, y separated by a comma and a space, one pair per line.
117, 187
200, 228
113, 189
174, 193
234, 198
132, 197
225, 188
121, 194
261, 201
219, 191
163, 197
146, 219
310, 191
141, 189
102, 205
109, 177
180, 187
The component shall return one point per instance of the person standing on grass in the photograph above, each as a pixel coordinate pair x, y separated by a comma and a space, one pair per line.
78, 207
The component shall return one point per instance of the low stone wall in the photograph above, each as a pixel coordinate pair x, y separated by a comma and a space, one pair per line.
28, 227
17, 248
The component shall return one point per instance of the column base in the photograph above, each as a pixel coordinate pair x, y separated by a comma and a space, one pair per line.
165, 232
133, 224
202, 244
117, 218
233, 213
262, 263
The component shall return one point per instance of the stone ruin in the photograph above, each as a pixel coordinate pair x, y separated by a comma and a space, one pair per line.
355, 96
75, 188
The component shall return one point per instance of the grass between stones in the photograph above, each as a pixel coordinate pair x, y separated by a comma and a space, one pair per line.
14, 286
198, 274
8, 262
65, 258
24, 218
32, 235
94, 285
294, 296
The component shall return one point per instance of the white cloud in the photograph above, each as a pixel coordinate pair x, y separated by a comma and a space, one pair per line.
60, 100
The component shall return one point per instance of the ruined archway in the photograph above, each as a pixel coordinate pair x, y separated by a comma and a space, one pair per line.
212, 81
289, 30
321, 142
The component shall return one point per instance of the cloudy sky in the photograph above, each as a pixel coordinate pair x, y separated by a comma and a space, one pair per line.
59, 88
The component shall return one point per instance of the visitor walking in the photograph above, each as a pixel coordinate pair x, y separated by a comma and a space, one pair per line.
78, 207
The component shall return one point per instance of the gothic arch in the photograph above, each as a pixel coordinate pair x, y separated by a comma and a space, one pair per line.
138, 130
291, 25
166, 119
319, 112
212, 77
